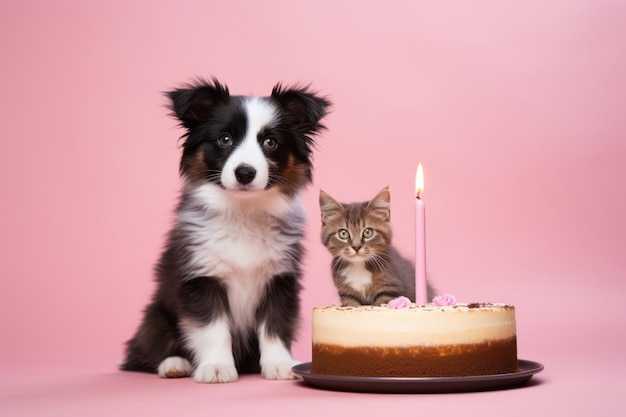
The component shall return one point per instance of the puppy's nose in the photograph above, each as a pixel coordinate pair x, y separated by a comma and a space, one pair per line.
245, 174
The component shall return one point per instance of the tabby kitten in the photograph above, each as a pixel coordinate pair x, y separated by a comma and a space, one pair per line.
366, 268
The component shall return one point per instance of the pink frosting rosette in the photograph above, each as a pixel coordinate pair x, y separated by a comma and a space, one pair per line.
399, 302
444, 300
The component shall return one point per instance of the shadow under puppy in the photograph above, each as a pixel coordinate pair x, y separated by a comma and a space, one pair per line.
228, 280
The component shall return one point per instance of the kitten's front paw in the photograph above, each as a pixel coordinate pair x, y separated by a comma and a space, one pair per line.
279, 370
215, 373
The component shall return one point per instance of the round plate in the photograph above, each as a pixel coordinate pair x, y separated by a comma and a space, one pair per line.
419, 385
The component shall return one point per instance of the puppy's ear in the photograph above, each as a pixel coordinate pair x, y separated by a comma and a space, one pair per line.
195, 102
305, 107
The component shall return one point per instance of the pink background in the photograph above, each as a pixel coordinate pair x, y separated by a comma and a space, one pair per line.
515, 109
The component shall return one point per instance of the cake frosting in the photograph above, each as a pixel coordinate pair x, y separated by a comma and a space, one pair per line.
444, 300
400, 340
399, 302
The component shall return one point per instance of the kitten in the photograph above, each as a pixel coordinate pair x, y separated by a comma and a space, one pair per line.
366, 268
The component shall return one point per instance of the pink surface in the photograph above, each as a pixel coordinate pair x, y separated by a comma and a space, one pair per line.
514, 108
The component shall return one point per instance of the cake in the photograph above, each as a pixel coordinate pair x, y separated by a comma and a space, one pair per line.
414, 341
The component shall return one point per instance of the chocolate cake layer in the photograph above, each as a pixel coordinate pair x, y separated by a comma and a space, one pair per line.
486, 358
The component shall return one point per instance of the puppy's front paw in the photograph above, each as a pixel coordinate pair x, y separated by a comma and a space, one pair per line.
215, 373
174, 367
279, 370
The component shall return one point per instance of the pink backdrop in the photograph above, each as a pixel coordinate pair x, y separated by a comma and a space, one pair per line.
515, 109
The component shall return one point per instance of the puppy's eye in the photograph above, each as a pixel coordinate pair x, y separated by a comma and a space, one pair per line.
343, 234
368, 233
270, 144
225, 141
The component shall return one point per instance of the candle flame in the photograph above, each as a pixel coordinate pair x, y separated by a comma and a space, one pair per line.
419, 181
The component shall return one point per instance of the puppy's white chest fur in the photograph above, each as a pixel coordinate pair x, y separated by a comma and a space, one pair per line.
243, 244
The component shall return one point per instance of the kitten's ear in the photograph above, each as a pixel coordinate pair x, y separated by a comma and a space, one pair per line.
329, 207
380, 206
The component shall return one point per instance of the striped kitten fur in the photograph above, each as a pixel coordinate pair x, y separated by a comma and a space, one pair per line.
366, 268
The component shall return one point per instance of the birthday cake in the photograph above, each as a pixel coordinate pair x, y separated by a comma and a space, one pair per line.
405, 340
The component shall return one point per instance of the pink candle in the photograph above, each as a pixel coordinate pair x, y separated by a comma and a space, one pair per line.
421, 296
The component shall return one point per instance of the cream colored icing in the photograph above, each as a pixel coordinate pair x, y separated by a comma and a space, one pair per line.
379, 326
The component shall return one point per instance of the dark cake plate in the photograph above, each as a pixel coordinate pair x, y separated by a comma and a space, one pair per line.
419, 385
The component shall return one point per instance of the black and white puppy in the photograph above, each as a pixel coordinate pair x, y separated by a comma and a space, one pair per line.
228, 281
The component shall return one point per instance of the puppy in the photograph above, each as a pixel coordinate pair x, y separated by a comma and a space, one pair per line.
228, 280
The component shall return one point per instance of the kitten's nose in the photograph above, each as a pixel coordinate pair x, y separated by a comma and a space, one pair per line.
356, 248
245, 174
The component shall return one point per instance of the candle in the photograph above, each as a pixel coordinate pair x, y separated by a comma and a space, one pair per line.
421, 296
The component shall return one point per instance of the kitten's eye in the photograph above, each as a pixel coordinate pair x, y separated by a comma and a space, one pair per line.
343, 234
225, 141
368, 232
270, 144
